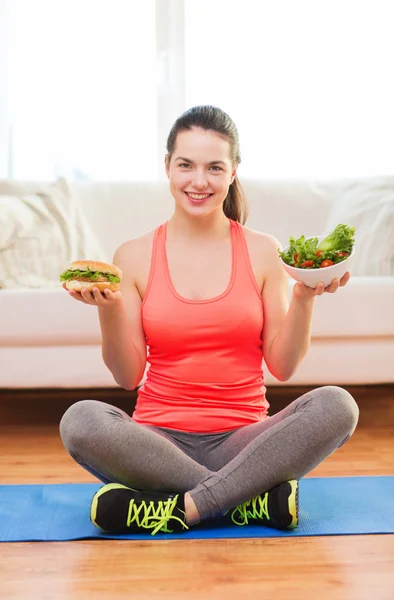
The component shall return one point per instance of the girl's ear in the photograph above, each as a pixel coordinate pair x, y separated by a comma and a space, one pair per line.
167, 165
234, 174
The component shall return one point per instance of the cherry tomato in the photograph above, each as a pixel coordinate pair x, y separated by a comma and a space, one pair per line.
326, 263
342, 254
319, 252
307, 263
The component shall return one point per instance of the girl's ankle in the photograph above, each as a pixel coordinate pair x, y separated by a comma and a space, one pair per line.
192, 514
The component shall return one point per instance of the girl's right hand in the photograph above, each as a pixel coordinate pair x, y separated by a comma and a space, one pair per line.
95, 298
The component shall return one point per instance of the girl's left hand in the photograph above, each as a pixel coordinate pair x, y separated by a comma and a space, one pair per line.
303, 292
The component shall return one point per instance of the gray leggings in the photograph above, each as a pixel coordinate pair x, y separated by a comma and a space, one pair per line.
219, 470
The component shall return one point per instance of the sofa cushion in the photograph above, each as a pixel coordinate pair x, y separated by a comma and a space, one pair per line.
132, 208
37, 317
287, 208
368, 205
41, 231
361, 309
52, 317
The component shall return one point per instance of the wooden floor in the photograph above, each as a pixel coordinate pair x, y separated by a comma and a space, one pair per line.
343, 567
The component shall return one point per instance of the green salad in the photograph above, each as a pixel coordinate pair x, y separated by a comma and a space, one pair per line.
309, 254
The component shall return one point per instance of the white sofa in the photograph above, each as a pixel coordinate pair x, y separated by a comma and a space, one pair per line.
47, 340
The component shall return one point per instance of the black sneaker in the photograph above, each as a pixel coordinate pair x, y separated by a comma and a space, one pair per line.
119, 509
276, 508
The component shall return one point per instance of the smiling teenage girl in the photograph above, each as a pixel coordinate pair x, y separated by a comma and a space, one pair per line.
209, 297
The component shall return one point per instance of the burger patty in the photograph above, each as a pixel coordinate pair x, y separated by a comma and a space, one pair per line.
99, 278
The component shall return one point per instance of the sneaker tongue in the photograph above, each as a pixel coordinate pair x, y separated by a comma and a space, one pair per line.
180, 503
178, 511
177, 521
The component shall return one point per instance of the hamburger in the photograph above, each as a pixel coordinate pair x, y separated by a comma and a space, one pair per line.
91, 273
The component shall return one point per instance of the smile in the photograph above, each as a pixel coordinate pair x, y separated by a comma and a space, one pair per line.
198, 196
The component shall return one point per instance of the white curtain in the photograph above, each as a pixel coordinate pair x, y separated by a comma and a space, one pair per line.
94, 86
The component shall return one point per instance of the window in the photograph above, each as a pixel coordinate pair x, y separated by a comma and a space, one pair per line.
308, 83
94, 86
83, 89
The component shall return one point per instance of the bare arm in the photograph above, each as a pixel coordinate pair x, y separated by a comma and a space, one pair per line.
123, 338
287, 329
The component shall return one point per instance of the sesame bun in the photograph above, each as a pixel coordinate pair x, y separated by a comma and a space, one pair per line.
94, 265
78, 286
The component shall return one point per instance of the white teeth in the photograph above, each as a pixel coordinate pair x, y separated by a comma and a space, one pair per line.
197, 197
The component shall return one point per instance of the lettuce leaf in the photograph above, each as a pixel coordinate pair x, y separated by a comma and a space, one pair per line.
341, 239
93, 275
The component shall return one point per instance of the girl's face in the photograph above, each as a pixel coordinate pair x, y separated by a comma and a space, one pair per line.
200, 171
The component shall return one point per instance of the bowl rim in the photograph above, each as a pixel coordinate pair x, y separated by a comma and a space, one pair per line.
315, 269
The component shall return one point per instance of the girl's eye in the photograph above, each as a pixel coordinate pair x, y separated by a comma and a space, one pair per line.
186, 166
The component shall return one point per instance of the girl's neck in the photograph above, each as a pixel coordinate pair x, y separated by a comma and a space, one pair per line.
211, 228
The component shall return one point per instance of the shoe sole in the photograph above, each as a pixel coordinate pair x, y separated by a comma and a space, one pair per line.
103, 490
293, 503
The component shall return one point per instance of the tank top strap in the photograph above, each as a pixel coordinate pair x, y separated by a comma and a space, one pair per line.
157, 278
245, 275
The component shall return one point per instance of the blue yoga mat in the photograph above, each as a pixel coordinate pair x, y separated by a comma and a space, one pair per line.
328, 506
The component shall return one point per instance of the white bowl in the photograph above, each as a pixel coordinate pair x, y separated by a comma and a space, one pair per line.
311, 277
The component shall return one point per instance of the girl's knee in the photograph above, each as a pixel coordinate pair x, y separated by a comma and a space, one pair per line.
342, 406
76, 421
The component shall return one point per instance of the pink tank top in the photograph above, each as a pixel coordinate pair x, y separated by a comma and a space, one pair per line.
205, 356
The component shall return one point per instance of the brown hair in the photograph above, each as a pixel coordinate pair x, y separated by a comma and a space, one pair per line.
213, 118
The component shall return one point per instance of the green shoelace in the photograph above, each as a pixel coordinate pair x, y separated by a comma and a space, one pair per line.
256, 508
148, 516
